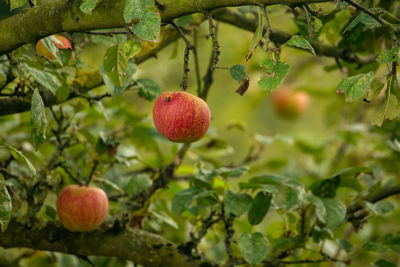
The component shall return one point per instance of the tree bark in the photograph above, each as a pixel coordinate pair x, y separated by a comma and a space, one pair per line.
65, 16
139, 246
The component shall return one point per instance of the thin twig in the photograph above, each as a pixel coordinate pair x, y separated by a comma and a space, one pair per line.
309, 25
208, 77
216, 52
268, 29
109, 33
94, 167
92, 99
66, 168
196, 62
369, 12
188, 47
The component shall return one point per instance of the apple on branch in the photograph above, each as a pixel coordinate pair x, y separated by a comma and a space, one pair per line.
181, 117
82, 208
64, 43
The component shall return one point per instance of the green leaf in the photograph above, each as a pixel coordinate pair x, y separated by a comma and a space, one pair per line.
274, 180
320, 209
19, 156
374, 90
389, 56
132, 10
300, 42
148, 89
335, 212
391, 106
131, 48
325, 188
115, 65
374, 246
232, 172
50, 43
294, 196
393, 243
149, 27
344, 178
356, 86
17, 3
237, 204
346, 245
384, 263
110, 184
117, 90
87, 6
5, 207
382, 207
259, 31
184, 198
38, 119
366, 20
238, 72
164, 217
254, 248
276, 71
137, 184
185, 21
320, 234
49, 79
50, 212
259, 207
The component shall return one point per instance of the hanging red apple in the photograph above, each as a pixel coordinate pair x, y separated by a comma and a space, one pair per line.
181, 117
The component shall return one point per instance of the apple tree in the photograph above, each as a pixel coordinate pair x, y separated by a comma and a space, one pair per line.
299, 166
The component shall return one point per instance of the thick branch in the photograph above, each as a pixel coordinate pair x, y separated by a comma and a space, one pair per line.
139, 246
11, 105
65, 16
385, 193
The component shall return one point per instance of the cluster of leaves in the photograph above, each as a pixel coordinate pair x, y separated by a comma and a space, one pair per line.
319, 213
356, 32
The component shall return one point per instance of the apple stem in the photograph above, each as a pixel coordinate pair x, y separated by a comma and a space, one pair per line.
95, 164
181, 153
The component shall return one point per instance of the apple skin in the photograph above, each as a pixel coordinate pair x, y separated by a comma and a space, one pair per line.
181, 117
43, 51
290, 104
82, 208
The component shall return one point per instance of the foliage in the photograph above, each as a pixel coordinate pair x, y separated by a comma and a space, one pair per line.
256, 189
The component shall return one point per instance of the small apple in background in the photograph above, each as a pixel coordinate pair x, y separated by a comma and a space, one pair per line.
290, 104
82, 208
181, 117
65, 43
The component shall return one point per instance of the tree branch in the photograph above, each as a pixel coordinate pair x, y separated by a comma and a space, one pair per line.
65, 16
280, 37
139, 246
16, 105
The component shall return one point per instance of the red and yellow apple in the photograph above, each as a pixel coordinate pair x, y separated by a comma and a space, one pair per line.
181, 117
64, 43
290, 104
82, 208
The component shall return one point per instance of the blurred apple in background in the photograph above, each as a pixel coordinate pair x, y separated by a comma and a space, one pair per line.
62, 43
290, 104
